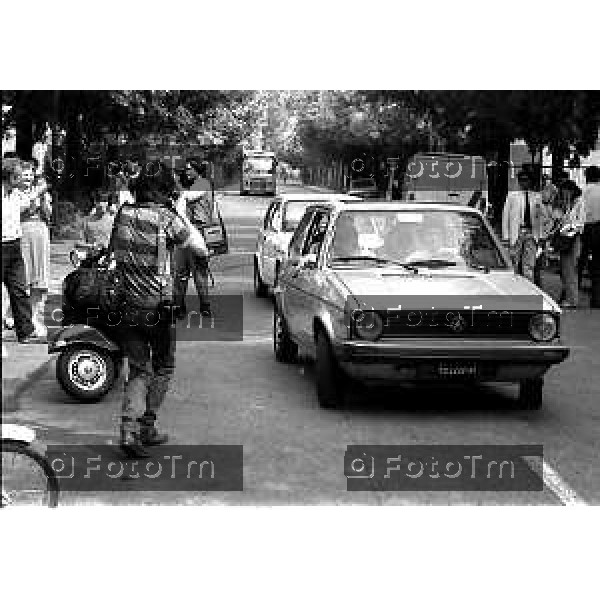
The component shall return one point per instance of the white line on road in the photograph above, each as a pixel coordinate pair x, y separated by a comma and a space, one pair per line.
560, 488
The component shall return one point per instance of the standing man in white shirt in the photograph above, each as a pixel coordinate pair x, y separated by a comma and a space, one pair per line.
13, 267
591, 201
525, 225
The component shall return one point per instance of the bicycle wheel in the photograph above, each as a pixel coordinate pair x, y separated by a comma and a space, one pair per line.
27, 477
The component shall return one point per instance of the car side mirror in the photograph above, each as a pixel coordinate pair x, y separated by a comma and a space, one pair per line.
309, 261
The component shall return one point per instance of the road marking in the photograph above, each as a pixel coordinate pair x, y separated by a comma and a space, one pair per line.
560, 488
247, 341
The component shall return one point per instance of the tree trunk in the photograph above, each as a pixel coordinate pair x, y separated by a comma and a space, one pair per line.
24, 129
498, 184
559, 153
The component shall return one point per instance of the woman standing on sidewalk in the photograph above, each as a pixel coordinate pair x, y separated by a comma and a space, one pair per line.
36, 211
13, 269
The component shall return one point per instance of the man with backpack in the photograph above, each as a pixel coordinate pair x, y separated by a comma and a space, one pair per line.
144, 237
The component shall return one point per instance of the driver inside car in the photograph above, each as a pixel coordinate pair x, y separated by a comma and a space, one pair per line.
398, 240
432, 244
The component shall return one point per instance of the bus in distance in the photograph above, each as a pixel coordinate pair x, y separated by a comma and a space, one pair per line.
258, 173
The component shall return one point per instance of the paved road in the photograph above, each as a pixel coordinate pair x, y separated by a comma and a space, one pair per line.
235, 393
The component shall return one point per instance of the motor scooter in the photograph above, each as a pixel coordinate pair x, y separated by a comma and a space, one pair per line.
89, 361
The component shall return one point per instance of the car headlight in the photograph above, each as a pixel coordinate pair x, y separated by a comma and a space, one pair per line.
367, 324
543, 327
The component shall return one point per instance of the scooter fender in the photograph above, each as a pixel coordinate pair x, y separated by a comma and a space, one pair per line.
81, 334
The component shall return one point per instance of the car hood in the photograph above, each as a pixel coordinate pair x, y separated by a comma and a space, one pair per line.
495, 290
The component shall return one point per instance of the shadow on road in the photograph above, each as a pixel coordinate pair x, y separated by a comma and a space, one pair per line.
438, 398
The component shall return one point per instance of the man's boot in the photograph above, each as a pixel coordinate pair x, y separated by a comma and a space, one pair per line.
130, 440
149, 435
38, 305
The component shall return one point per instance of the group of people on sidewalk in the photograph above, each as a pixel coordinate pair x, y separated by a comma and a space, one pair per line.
26, 214
156, 204
562, 216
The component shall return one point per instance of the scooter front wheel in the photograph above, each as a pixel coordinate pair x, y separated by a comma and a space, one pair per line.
86, 372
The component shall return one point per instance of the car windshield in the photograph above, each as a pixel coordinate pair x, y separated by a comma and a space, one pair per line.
292, 213
421, 238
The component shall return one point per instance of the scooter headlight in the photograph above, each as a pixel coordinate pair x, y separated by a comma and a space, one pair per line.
543, 327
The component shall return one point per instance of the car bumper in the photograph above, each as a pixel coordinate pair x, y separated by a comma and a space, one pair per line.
418, 359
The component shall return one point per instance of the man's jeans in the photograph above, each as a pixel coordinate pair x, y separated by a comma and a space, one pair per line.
524, 255
150, 350
187, 262
13, 277
593, 235
568, 271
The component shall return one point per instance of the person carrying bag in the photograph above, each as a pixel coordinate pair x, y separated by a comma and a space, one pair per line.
144, 238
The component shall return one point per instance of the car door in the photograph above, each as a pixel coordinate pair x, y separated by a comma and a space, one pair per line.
307, 280
288, 278
263, 234
271, 244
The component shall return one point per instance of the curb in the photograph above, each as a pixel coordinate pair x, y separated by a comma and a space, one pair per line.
10, 398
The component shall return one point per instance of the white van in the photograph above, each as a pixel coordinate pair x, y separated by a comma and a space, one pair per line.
444, 178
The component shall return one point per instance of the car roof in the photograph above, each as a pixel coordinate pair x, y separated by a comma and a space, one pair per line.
313, 197
362, 205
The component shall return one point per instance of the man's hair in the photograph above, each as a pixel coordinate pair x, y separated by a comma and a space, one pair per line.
155, 183
198, 166
592, 174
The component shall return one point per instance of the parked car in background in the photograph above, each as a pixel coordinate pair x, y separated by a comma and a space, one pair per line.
392, 292
364, 187
275, 233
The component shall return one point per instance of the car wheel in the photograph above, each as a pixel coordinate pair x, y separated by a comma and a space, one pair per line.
260, 287
531, 393
285, 349
331, 381
85, 372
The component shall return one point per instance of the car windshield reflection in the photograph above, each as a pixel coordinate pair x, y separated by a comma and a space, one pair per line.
430, 239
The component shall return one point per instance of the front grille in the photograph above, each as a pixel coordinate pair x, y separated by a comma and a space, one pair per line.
453, 324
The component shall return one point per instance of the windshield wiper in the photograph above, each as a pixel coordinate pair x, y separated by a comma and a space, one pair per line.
379, 261
479, 267
432, 262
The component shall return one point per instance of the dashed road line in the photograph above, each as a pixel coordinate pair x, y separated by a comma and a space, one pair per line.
560, 488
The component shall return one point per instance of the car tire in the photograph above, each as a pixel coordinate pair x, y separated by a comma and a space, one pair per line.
260, 287
286, 351
531, 394
331, 381
81, 386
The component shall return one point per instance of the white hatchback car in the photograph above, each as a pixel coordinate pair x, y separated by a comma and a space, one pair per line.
276, 230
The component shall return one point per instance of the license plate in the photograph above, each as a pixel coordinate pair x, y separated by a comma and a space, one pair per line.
447, 369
